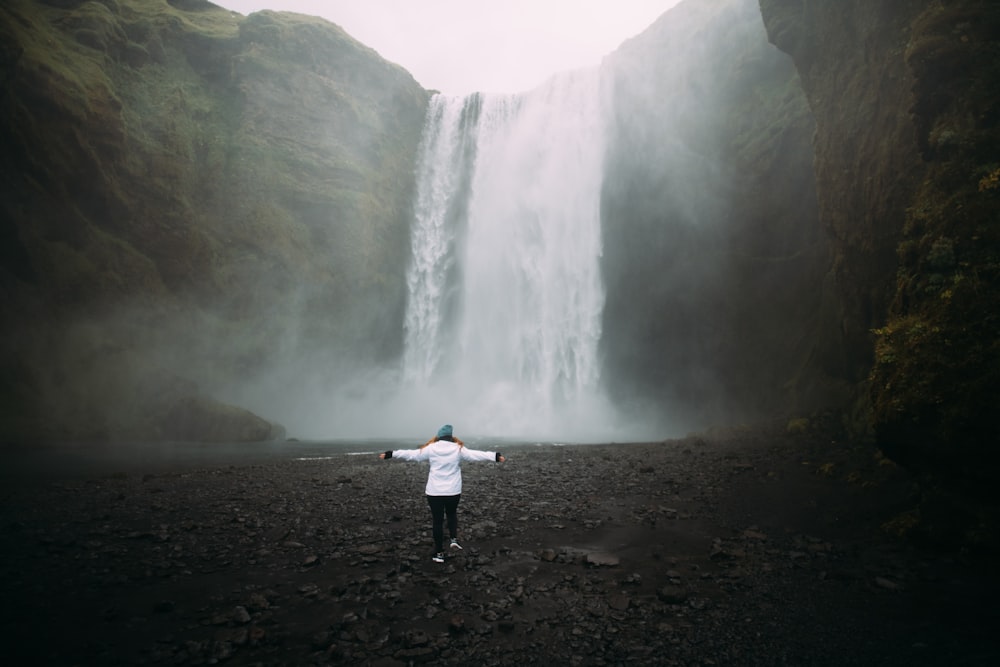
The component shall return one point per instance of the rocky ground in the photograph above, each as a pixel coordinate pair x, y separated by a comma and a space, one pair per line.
739, 547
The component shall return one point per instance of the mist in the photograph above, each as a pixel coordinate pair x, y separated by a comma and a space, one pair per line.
579, 262
625, 252
504, 294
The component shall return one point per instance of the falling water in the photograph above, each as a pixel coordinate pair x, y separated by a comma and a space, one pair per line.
505, 294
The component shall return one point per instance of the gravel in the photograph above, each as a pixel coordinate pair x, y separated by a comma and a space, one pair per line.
747, 546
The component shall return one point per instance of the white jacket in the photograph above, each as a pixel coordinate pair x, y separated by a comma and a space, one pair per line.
445, 477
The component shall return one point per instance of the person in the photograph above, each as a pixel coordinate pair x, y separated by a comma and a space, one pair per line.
445, 453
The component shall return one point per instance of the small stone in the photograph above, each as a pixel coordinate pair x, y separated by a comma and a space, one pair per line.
241, 615
600, 559
619, 601
221, 651
633, 579
320, 640
416, 638
258, 602
887, 584
672, 595
235, 636
456, 624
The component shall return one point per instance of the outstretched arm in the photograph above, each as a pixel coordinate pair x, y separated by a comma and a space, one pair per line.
404, 454
480, 455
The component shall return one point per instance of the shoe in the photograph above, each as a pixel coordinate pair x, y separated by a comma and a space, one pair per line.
455, 545
438, 557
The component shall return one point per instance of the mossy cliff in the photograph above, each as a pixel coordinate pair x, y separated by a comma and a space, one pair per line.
180, 184
192, 201
906, 96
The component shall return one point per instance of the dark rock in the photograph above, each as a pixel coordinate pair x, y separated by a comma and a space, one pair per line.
673, 594
619, 601
547, 555
417, 638
203, 419
601, 559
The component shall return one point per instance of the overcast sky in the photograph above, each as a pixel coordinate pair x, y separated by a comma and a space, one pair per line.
463, 46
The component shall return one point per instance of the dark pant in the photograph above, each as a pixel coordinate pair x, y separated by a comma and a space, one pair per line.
441, 505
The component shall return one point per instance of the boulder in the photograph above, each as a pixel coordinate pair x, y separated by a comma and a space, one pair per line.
199, 418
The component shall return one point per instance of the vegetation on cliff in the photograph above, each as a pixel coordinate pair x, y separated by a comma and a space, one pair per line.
936, 379
907, 101
181, 183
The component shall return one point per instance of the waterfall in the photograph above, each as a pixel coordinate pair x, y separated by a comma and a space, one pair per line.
503, 320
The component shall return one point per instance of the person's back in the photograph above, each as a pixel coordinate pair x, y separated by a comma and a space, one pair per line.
445, 454
445, 478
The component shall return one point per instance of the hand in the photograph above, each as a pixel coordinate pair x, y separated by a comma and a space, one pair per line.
501, 459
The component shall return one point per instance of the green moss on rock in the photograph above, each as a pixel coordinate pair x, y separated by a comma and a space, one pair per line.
936, 379
188, 180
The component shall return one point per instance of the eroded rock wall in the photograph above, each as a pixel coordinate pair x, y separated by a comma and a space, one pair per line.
713, 257
906, 95
180, 186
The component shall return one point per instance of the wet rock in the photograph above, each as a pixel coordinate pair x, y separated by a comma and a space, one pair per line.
221, 651
619, 601
678, 601
602, 559
415, 638
321, 640
673, 594
887, 584
241, 615
633, 579
456, 624
233, 636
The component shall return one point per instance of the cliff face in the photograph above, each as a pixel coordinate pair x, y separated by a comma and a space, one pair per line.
713, 256
906, 96
192, 201
180, 185
850, 63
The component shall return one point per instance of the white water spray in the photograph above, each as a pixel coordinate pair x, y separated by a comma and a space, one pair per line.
505, 295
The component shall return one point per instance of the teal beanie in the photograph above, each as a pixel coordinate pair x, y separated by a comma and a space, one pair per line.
444, 431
